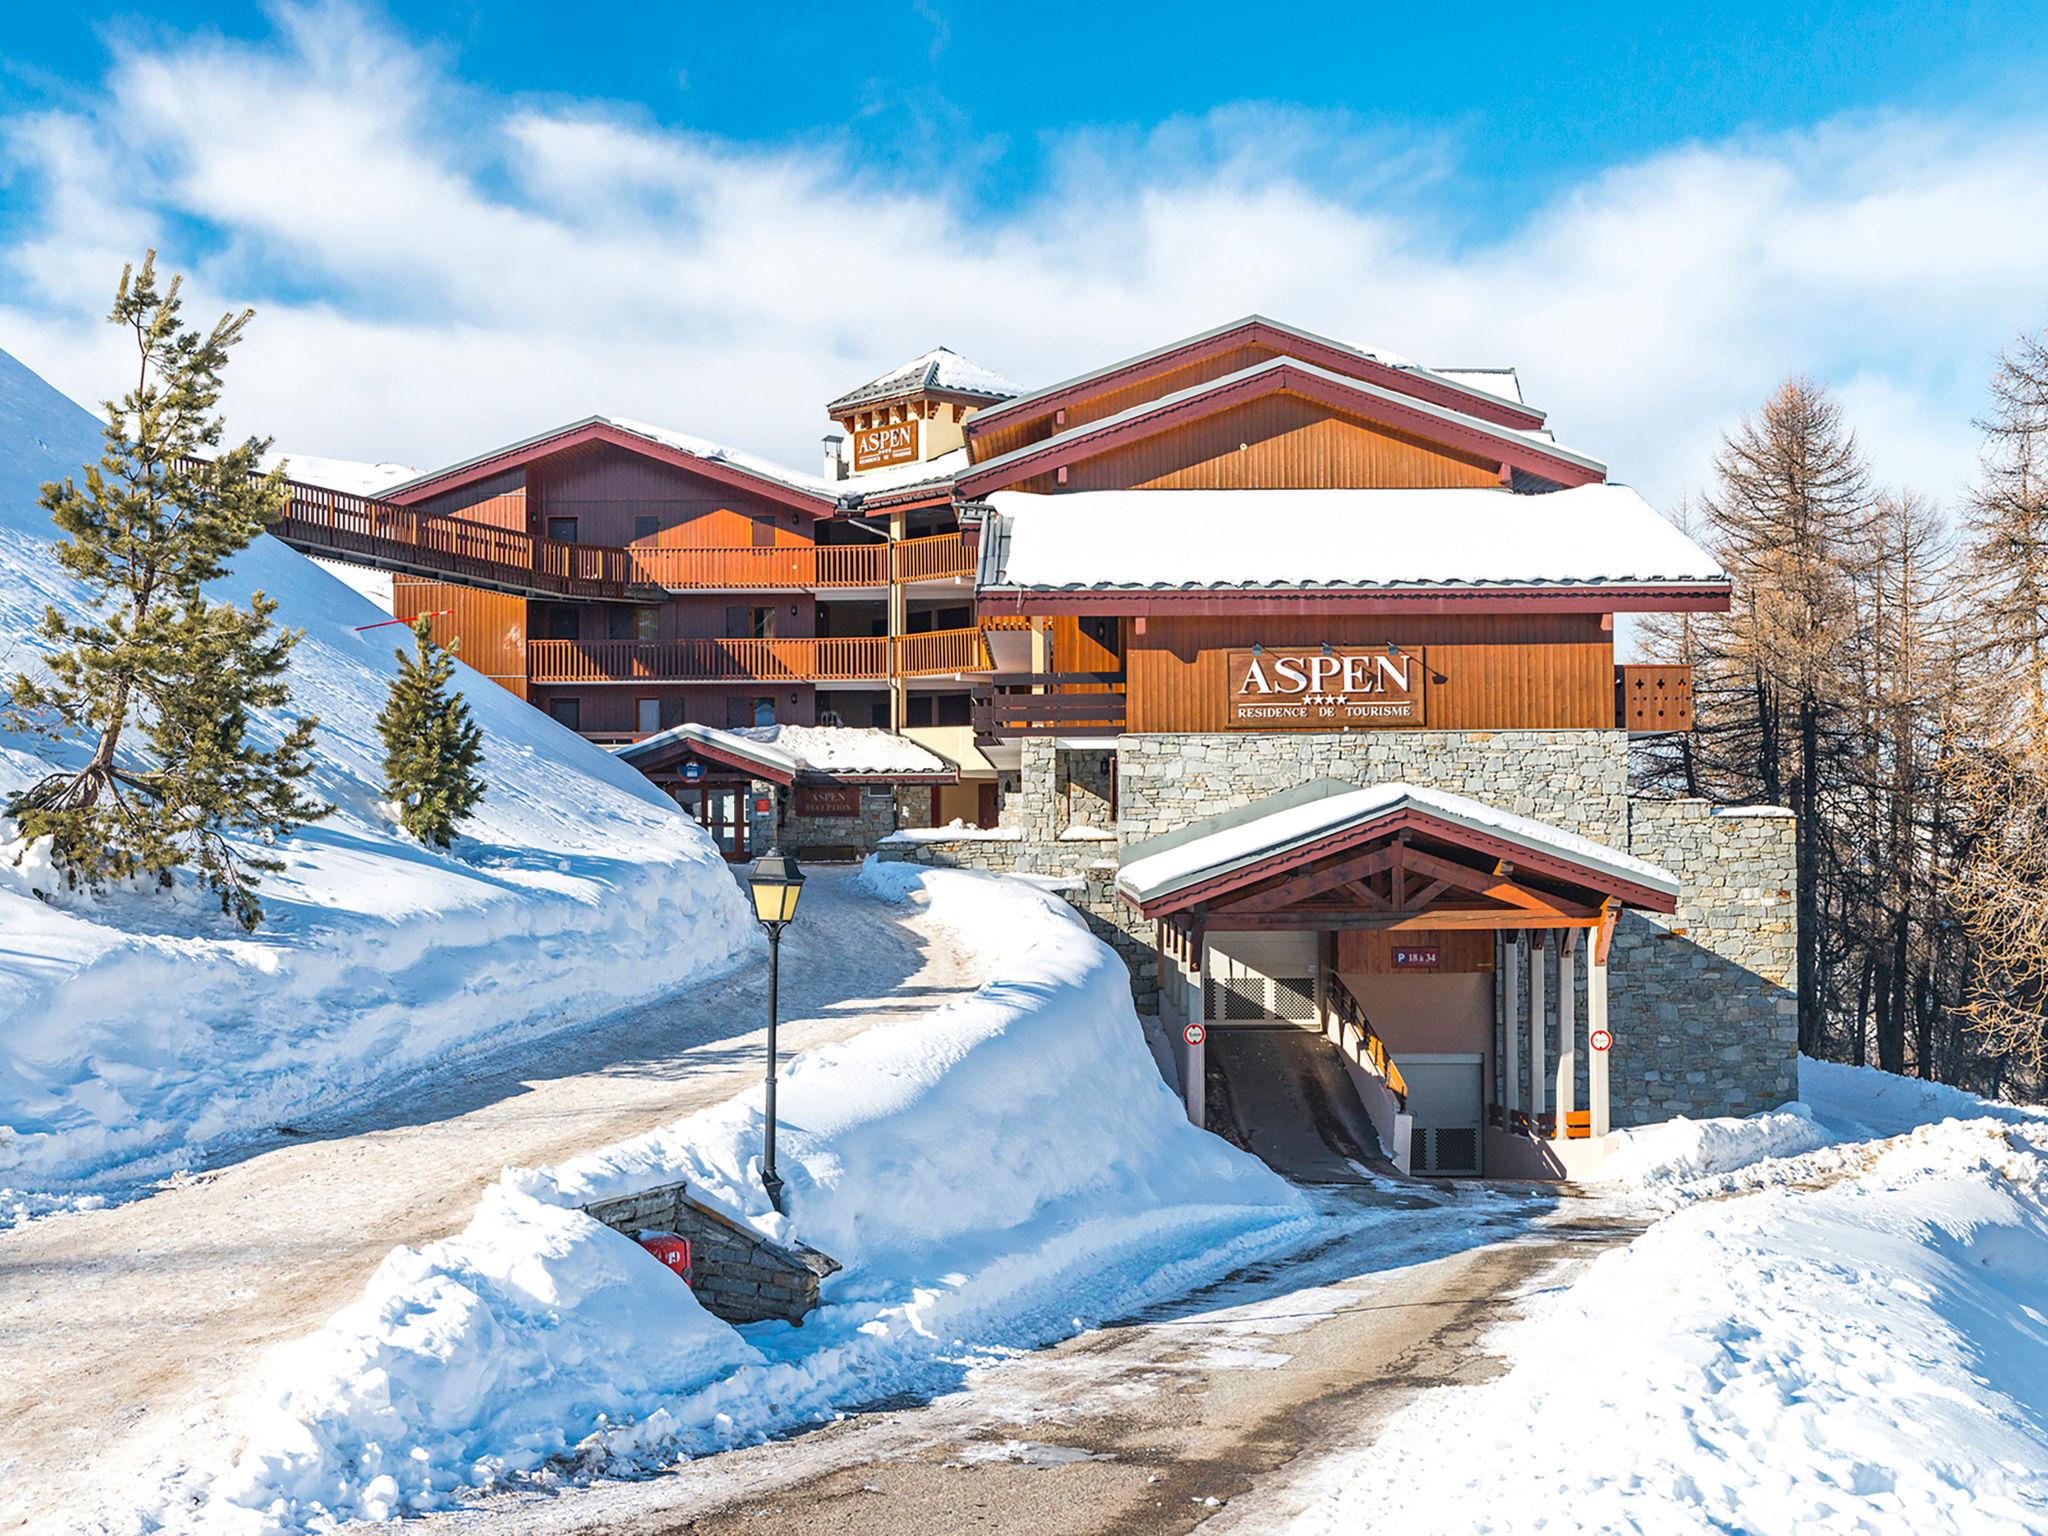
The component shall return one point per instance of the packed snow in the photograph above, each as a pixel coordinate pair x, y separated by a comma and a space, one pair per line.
993, 1175
849, 749
140, 1029
1590, 534
1840, 1326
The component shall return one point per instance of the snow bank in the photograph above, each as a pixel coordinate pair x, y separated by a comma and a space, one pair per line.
138, 1028
1856, 1344
993, 1175
1681, 1150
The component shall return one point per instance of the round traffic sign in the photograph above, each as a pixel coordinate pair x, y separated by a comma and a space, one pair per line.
1602, 1040
1194, 1034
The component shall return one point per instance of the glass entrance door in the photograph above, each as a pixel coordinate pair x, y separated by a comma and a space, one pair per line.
721, 812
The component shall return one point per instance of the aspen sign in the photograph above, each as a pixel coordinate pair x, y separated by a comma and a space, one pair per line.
1325, 689
893, 443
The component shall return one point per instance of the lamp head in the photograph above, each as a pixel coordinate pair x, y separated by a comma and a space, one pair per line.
776, 883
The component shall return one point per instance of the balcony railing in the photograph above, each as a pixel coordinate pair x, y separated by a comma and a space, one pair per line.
940, 557
1048, 703
793, 567
940, 651
824, 659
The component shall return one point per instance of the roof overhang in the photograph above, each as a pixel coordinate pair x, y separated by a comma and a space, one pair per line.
1260, 331
1452, 428
1283, 861
600, 431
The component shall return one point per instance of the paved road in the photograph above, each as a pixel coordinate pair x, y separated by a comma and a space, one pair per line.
1210, 1412
123, 1332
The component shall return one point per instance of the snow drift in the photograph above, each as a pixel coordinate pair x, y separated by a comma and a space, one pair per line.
139, 1027
1840, 1337
993, 1175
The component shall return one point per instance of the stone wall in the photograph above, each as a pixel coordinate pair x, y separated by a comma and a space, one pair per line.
1572, 779
738, 1275
1702, 1003
883, 809
1085, 783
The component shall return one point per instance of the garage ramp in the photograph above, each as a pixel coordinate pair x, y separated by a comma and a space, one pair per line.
1288, 1101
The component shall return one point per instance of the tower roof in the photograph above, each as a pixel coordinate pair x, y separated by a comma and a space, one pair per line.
941, 371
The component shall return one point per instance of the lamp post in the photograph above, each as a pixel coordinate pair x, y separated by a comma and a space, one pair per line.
776, 884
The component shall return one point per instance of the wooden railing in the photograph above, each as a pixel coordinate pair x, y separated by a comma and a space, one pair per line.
941, 651
1010, 623
797, 567
822, 659
339, 526
1367, 1043
936, 558
1047, 703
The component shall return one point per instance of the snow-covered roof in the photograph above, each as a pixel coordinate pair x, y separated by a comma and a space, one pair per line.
845, 750
939, 371
939, 470
668, 437
1467, 380
750, 749
1502, 383
1353, 539
1252, 838
351, 476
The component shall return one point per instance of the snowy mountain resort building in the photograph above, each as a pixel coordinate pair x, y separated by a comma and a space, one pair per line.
1293, 662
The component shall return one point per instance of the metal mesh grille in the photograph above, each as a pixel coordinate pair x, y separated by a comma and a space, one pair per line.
1454, 1149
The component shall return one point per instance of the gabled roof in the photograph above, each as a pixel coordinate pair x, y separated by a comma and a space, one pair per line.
1211, 858
941, 371
714, 460
1465, 392
728, 747
1529, 451
1603, 537
781, 753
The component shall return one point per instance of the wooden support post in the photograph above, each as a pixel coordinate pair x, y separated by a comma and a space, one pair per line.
1567, 1029
1511, 1026
1596, 1023
1539, 946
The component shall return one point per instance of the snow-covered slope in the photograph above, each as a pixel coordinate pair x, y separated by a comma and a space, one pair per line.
994, 1174
1842, 1328
137, 1028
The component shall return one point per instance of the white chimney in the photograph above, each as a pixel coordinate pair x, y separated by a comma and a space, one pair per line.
835, 466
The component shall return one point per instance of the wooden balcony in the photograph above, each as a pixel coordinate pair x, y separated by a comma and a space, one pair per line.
1648, 698
940, 557
939, 652
772, 568
1049, 703
872, 658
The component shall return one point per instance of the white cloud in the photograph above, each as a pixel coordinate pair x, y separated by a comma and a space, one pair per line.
437, 270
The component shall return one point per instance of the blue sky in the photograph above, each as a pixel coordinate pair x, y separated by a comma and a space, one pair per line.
460, 223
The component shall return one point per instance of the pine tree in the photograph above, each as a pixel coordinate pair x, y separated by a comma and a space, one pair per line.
431, 746
1789, 512
161, 514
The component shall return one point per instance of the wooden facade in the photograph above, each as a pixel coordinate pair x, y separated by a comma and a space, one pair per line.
1545, 671
1278, 442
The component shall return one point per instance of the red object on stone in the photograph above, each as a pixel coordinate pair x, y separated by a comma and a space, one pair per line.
672, 1250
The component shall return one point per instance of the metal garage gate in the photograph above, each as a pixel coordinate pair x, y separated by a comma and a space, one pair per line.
1446, 1097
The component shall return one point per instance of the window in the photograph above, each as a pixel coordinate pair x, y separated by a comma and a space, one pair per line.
645, 526
618, 623
761, 623
764, 711
828, 717
952, 709
647, 623
562, 529
567, 712
649, 716
561, 622
764, 533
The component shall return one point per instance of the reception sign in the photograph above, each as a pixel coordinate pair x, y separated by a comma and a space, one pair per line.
1325, 688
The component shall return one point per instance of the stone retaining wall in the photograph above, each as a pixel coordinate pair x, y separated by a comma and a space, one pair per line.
738, 1275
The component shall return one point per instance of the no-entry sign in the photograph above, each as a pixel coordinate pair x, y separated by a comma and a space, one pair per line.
1194, 1034
1601, 1040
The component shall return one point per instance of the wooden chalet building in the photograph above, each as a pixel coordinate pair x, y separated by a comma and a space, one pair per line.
1297, 658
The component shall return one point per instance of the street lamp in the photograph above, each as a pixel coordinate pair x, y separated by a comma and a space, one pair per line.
776, 883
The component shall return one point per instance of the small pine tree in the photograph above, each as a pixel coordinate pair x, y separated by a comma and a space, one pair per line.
431, 746
161, 514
